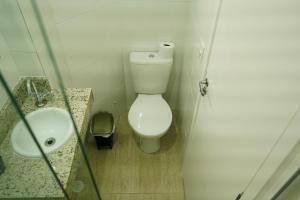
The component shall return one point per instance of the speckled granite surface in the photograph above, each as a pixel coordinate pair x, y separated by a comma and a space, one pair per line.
30, 177
8, 114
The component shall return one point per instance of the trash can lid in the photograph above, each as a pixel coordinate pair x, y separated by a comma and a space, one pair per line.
102, 123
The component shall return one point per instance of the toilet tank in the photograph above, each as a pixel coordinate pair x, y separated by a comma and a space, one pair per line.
150, 72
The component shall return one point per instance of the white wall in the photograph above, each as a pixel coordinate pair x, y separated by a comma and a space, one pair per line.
18, 55
202, 16
7, 65
254, 91
19, 43
8, 69
97, 36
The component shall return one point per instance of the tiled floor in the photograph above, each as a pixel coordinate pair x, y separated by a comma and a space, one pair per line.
126, 173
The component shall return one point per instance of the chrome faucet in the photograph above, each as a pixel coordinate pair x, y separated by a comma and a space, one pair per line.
32, 91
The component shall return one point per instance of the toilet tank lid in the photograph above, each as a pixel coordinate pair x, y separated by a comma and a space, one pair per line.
148, 58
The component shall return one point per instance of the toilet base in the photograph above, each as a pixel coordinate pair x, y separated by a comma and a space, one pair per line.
149, 145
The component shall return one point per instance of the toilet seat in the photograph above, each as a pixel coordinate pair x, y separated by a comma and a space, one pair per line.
150, 115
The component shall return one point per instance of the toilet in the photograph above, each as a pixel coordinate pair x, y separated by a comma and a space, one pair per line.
150, 116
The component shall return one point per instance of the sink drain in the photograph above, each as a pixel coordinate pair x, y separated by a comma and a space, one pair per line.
49, 142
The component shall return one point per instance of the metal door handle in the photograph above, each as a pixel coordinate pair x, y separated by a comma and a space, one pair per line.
203, 85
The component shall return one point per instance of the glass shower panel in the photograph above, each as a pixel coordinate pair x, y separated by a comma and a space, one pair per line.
21, 176
25, 172
73, 166
56, 116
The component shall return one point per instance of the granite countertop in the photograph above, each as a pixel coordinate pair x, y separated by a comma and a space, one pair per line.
30, 177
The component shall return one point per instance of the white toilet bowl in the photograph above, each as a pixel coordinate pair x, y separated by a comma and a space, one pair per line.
150, 117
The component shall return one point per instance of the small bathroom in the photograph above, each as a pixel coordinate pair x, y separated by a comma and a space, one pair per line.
149, 100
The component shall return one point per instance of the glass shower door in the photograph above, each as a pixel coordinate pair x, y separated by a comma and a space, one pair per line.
78, 102
28, 92
22, 176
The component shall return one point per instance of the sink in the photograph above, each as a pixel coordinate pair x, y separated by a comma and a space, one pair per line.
51, 126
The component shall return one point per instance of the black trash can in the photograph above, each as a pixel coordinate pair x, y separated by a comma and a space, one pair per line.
102, 127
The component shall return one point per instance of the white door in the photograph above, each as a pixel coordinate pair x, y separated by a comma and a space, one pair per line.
254, 76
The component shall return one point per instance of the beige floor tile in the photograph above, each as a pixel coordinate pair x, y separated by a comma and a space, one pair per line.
169, 196
125, 172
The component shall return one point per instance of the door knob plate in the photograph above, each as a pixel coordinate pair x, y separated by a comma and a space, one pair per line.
203, 85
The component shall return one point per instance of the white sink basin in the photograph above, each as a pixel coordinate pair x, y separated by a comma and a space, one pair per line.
52, 127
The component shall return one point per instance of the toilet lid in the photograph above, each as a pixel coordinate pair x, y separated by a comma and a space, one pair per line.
150, 115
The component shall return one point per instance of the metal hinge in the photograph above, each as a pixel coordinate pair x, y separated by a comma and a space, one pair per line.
203, 85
